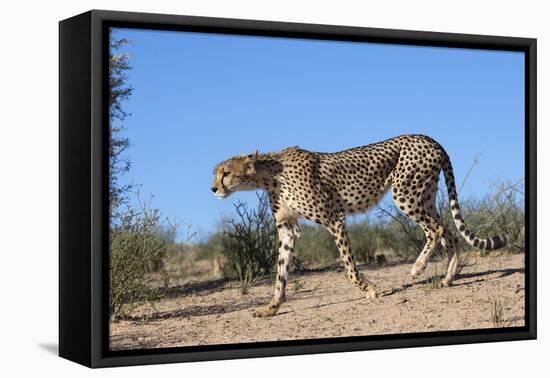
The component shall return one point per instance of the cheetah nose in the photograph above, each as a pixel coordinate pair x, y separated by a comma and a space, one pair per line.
214, 189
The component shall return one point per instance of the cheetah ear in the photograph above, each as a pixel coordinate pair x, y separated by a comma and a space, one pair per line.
253, 156
250, 167
250, 164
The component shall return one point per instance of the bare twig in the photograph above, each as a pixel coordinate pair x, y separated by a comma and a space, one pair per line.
470, 170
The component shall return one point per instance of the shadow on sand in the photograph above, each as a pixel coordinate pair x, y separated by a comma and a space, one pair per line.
205, 288
464, 276
197, 288
192, 311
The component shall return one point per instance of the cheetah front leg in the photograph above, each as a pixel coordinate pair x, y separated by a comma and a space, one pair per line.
341, 237
288, 234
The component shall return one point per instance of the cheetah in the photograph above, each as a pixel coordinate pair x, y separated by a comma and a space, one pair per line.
325, 187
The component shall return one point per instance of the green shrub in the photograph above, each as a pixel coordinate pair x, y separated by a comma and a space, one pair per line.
500, 213
137, 244
250, 243
316, 246
212, 248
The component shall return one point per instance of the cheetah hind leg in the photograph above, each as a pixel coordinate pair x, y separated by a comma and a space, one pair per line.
432, 240
422, 212
450, 243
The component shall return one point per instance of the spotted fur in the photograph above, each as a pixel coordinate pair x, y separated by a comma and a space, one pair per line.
325, 187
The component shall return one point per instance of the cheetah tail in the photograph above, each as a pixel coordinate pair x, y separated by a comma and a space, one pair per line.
488, 244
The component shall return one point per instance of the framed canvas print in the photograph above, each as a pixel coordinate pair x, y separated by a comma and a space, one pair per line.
235, 188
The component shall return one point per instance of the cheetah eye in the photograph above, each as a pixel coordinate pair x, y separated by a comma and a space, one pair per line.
225, 173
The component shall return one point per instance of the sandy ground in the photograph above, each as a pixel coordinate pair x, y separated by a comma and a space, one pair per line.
324, 304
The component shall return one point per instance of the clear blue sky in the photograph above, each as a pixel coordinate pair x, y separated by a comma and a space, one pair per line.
202, 98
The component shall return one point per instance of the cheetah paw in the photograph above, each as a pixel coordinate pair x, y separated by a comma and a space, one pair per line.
370, 292
445, 283
417, 270
265, 312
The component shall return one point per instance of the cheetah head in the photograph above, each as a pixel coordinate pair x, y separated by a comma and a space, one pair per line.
235, 174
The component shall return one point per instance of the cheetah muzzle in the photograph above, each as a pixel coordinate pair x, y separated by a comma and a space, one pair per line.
326, 187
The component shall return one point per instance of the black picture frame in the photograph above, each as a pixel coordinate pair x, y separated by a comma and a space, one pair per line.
83, 180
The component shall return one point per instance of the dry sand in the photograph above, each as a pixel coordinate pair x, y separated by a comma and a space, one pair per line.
325, 304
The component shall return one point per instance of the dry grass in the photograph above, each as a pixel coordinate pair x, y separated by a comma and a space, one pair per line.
497, 311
